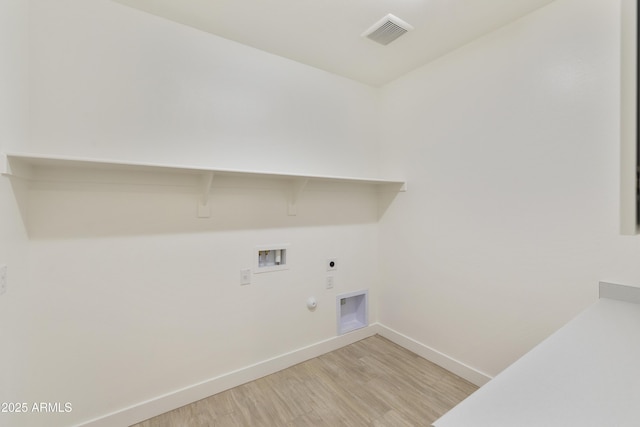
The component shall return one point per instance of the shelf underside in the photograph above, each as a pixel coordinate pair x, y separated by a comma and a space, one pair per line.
54, 172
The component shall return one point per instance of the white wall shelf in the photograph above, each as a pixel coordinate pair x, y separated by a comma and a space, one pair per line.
30, 166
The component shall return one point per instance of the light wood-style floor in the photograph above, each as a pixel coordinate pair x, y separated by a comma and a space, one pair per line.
373, 382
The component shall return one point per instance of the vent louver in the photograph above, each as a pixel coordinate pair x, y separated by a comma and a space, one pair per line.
387, 30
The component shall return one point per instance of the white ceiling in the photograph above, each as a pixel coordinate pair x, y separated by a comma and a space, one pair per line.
326, 33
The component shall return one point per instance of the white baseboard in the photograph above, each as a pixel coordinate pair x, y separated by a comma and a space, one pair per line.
468, 373
168, 402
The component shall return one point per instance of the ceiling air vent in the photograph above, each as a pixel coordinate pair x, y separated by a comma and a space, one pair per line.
387, 30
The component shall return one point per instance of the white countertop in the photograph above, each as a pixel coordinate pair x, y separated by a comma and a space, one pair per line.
585, 374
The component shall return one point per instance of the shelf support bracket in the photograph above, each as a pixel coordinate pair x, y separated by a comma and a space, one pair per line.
297, 186
204, 206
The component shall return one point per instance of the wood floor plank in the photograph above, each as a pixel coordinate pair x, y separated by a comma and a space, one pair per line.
393, 419
372, 382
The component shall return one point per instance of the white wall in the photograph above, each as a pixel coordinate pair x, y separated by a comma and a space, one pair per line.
13, 242
132, 295
116, 82
510, 147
